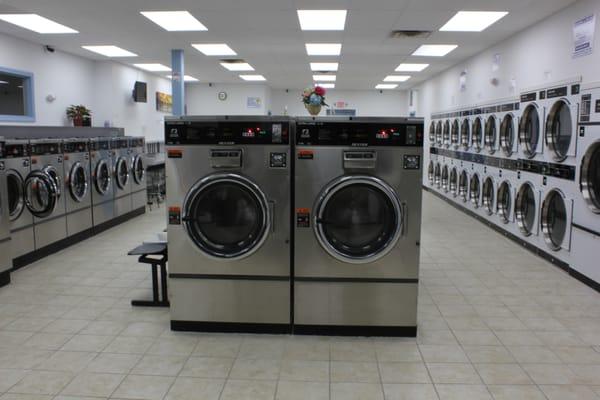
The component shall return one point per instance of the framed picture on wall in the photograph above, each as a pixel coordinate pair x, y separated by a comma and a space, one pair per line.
164, 102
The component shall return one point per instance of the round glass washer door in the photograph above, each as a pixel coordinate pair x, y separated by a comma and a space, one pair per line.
488, 194
590, 177
16, 200
529, 130
463, 186
102, 177
475, 190
139, 170
465, 131
445, 178
504, 204
446, 133
438, 133
559, 130
226, 216
430, 173
40, 193
455, 134
477, 134
454, 182
432, 133
526, 209
437, 174
121, 172
358, 219
507, 135
78, 182
554, 219
490, 134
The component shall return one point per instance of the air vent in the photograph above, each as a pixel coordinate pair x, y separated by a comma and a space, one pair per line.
405, 34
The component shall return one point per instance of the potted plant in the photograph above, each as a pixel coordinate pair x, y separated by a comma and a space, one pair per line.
314, 99
80, 115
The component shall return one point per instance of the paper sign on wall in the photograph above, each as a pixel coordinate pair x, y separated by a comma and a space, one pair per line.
583, 36
253, 102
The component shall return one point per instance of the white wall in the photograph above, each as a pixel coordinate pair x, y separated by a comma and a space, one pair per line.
539, 55
202, 99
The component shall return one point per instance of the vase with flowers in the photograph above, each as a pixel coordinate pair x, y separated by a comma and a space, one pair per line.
314, 99
80, 115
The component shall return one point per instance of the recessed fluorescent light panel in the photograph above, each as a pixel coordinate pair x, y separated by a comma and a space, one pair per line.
3, 83
323, 49
326, 85
110, 51
175, 21
36, 23
434, 50
324, 78
396, 78
328, 66
472, 21
215, 49
253, 78
186, 78
405, 67
153, 67
386, 86
322, 20
237, 66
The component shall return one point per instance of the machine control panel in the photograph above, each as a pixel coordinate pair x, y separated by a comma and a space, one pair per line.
41, 149
14, 150
226, 158
227, 133
359, 134
119, 143
75, 147
96, 145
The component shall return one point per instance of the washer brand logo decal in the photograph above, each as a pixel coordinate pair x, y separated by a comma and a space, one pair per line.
306, 155
174, 216
175, 153
305, 133
303, 217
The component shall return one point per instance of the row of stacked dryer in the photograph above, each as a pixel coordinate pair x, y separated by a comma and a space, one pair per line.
63, 190
530, 166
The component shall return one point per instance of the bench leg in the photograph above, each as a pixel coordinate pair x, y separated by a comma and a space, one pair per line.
155, 302
163, 282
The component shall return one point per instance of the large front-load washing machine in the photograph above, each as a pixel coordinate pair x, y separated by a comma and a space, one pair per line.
78, 185
229, 204
586, 215
102, 189
139, 198
122, 175
357, 225
44, 191
17, 164
5, 256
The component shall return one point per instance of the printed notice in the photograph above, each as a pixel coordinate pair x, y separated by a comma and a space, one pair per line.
583, 36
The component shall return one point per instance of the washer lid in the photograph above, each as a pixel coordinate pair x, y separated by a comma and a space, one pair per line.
358, 219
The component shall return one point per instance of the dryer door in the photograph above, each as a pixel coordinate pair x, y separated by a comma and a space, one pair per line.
526, 209
590, 177
556, 220
529, 131
561, 126
16, 200
78, 182
41, 194
508, 133
139, 170
102, 176
358, 219
121, 172
227, 216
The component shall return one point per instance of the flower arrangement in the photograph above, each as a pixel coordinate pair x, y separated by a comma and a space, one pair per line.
314, 99
80, 115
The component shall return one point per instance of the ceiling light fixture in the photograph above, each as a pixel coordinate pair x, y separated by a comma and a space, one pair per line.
396, 78
434, 50
3, 83
324, 66
472, 21
36, 23
174, 21
237, 66
406, 67
326, 85
325, 78
253, 78
386, 86
322, 20
110, 51
215, 49
153, 67
186, 78
323, 49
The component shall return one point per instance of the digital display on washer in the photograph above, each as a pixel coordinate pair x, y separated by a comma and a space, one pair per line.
226, 133
359, 134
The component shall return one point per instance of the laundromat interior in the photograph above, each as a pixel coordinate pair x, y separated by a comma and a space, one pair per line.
299, 200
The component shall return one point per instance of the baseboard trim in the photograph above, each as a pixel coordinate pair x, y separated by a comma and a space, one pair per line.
4, 278
356, 330
229, 327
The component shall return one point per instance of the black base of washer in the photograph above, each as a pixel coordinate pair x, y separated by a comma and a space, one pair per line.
229, 327
55, 247
545, 255
350, 330
4, 278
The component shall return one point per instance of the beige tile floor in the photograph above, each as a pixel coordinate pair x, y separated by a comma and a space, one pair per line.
495, 323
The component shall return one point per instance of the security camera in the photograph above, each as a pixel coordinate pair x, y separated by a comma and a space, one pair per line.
49, 49
209, 84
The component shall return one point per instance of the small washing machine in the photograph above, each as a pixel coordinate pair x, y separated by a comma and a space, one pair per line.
531, 126
431, 136
491, 128
464, 180
508, 115
430, 180
121, 175
453, 180
465, 129
586, 215
102, 186
556, 217
455, 131
439, 135
561, 117
477, 131
507, 185
17, 164
475, 185
437, 174
357, 225
5, 255
78, 186
44, 190
139, 197
528, 205
446, 132
229, 212
489, 192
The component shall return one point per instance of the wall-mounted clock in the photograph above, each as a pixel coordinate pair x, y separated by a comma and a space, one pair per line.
222, 96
